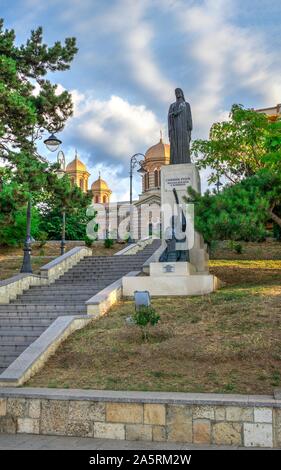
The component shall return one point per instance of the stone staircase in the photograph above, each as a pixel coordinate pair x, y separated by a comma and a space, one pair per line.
25, 318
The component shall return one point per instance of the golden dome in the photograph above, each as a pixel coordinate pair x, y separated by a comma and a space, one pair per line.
100, 185
76, 165
159, 152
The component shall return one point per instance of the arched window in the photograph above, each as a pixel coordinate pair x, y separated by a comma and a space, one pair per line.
72, 181
104, 199
156, 178
82, 184
96, 199
146, 180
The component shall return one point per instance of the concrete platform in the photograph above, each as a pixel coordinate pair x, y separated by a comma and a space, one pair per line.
174, 285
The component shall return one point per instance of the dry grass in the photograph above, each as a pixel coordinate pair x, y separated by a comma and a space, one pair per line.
271, 249
11, 258
229, 341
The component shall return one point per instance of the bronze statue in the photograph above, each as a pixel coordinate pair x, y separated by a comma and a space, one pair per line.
171, 253
180, 127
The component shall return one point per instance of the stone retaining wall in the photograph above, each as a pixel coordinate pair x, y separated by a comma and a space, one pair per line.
236, 420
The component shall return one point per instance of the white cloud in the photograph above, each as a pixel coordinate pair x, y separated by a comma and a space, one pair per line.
115, 125
127, 20
230, 58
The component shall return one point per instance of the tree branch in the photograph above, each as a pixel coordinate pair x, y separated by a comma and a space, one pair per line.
274, 217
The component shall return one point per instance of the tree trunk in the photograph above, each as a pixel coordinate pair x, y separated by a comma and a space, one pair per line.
275, 217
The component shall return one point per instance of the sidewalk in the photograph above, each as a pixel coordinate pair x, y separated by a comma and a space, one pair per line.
35, 442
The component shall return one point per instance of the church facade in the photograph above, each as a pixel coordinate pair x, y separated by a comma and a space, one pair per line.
146, 213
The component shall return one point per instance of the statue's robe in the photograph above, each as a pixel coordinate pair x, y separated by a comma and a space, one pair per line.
180, 127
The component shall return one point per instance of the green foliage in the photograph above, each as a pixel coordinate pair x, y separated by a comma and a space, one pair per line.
238, 248
88, 242
13, 234
239, 211
23, 113
246, 149
75, 224
143, 317
277, 231
241, 146
26, 114
108, 243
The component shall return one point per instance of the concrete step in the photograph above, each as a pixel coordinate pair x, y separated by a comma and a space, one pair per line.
9, 341
13, 348
19, 336
18, 307
49, 315
19, 321
20, 329
25, 318
60, 288
5, 364
52, 300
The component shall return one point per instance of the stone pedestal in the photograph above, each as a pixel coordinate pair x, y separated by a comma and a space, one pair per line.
176, 278
180, 177
171, 284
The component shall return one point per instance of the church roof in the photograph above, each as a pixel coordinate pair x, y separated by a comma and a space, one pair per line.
76, 165
158, 152
100, 185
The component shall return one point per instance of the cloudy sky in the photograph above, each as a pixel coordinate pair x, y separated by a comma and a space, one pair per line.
133, 53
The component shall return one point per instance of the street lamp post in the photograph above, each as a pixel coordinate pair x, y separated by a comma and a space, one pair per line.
134, 161
62, 243
26, 264
60, 174
52, 143
218, 184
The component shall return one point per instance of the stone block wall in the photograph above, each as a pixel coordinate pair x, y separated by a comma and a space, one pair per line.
138, 419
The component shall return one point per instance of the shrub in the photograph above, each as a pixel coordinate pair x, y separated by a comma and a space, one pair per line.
238, 248
88, 242
145, 316
108, 243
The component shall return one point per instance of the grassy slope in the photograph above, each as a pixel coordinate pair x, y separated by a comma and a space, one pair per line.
229, 341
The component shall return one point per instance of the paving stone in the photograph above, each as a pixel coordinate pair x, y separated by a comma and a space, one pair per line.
34, 408
3, 406
179, 423
17, 407
258, 435
227, 433
236, 413
159, 433
28, 425
220, 412
154, 414
201, 431
80, 429
124, 413
97, 411
263, 415
109, 431
8, 424
54, 417
138, 432
207, 412
78, 411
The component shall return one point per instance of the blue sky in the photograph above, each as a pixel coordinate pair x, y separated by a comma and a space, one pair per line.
133, 53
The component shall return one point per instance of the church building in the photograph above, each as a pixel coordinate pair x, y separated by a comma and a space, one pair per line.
79, 175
